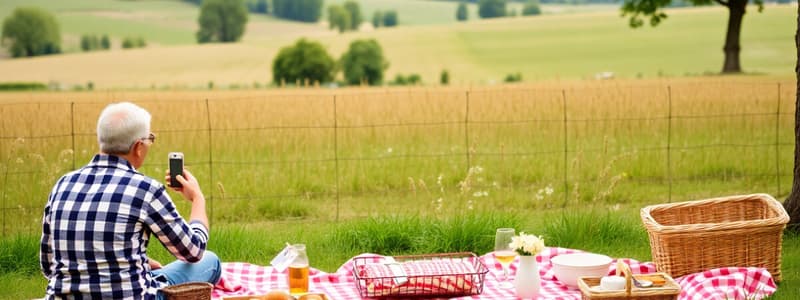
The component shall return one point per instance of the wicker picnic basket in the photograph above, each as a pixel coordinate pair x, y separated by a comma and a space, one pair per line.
189, 291
590, 289
734, 231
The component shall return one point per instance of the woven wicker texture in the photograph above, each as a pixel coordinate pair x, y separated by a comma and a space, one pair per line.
734, 231
189, 291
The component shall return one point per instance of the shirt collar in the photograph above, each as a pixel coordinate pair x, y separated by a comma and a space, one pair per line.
110, 161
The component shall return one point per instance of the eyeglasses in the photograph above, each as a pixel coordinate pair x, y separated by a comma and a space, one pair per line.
151, 138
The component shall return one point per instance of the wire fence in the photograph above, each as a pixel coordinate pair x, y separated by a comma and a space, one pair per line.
331, 147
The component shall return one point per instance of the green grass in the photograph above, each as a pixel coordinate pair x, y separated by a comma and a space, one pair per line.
618, 234
548, 47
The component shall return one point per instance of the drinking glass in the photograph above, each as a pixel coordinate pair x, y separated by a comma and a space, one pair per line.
503, 252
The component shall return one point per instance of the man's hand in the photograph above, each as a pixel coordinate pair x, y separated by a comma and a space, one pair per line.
191, 191
154, 265
191, 188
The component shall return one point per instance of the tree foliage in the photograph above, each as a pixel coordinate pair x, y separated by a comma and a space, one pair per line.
31, 31
531, 8
354, 9
338, 18
221, 21
390, 18
377, 19
462, 14
105, 42
491, 8
258, 6
298, 10
364, 62
304, 62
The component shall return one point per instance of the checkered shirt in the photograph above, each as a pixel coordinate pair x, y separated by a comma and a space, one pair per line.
96, 227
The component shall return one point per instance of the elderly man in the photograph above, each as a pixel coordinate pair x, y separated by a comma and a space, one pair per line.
98, 221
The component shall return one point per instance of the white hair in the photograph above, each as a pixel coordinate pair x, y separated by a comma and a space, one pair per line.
120, 125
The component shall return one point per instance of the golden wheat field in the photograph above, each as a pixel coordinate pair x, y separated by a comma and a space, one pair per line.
270, 155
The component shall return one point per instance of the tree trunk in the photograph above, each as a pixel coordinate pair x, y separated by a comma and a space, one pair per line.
736, 10
792, 203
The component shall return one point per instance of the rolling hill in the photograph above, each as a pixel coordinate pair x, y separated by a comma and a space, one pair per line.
553, 46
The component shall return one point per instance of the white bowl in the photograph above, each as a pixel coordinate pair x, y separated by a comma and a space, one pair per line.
569, 267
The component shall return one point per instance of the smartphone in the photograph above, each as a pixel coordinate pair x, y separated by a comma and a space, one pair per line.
175, 168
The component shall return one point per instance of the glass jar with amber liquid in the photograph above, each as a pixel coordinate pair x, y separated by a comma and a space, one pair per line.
298, 271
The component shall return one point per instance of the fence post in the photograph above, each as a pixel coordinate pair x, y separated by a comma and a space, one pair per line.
777, 143
336, 154
566, 148
72, 130
210, 163
669, 142
466, 132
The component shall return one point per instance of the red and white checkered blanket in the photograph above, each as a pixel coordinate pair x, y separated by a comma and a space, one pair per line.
722, 283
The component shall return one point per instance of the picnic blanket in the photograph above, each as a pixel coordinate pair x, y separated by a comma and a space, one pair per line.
723, 283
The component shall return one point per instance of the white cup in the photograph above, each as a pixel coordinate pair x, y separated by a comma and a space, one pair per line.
612, 283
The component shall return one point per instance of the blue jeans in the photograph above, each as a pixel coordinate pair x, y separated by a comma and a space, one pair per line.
208, 269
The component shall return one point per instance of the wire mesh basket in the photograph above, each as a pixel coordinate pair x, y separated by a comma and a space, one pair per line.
447, 274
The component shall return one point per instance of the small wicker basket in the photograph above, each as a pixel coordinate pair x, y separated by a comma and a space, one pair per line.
188, 291
590, 290
735, 231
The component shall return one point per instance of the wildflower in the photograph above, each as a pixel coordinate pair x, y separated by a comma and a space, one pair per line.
527, 244
389, 150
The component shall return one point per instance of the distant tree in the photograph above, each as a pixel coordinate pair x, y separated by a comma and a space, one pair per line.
338, 18
390, 18
221, 21
377, 19
133, 42
86, 43
105, 42
262, 7
31, 31
531, 8
298, 10
140, 42
128, 42
640, 9
444, 78
491, 8
355, 14
304, 61
513, 77
462, 14
364, 62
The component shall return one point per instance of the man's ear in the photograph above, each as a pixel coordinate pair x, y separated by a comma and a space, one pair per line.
138, 149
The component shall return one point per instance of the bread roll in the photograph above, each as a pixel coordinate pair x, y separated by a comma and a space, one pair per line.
277, 295
311, 297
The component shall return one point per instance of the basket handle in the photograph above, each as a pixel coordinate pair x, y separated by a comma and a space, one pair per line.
624, 268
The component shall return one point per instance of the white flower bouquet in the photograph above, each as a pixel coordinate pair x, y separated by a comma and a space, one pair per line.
527, 244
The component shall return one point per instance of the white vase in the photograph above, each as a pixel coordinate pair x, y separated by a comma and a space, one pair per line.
527, 281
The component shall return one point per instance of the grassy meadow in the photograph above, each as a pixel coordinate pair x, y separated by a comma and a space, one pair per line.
564, 46
409, 170
416, 170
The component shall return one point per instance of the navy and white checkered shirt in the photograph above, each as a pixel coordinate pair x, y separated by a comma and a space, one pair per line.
96, 227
